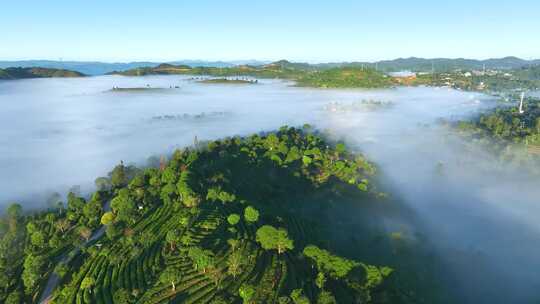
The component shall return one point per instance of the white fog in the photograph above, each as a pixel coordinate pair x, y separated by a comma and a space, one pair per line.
59, 132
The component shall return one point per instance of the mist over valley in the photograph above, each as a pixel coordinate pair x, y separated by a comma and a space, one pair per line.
472, 208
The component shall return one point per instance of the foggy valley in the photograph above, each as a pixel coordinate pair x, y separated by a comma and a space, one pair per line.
270, 152
62, 133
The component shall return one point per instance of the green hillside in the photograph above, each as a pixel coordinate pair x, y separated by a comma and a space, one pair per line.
281, 217
266, 71
304, 74
345, 78
36, 72
507, 124
511, 136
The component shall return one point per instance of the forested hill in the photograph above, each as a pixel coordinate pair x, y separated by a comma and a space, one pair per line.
280, 217
36, 72
346, 77
276, 70
439, 65
303, 74
511, 135
508, 123
448, 64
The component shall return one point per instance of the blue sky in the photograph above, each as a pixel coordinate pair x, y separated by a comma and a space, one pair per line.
314, 31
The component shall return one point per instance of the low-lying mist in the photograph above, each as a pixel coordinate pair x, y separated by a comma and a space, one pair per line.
480, 214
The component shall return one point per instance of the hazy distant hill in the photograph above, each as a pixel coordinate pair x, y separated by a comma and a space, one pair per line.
285, 64
37, 72
443, 64
100, 68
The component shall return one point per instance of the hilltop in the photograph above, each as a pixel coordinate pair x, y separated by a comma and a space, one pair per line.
280, 217
36, 72
345, 77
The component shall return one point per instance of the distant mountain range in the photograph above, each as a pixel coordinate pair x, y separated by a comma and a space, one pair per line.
100, 68
400, 64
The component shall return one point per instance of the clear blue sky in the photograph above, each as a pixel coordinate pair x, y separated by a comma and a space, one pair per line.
315, 31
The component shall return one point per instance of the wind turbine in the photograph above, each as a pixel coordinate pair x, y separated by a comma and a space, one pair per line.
521, 111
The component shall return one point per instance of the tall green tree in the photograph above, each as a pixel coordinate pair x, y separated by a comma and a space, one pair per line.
272, 238
202, 259
251, 214
14, 211
37, 239
333, 265
234, 263
118, 176
233, 219
75, 206
32, 271
124, 206
172, 237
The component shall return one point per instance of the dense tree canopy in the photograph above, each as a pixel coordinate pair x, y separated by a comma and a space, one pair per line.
251, 214
272, 238
328, 263
233, 219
